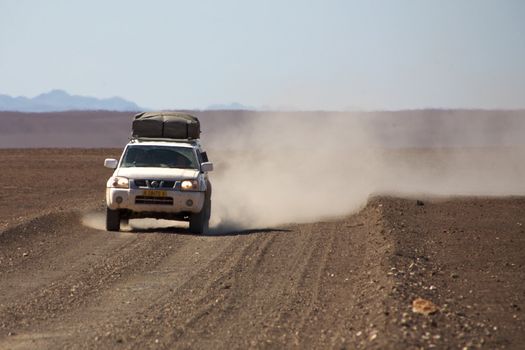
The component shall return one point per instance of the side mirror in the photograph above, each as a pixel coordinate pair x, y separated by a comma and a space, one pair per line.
207, 166
204, 156
110, 163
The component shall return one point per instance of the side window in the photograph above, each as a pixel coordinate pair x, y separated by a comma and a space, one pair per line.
199, 157
204, 157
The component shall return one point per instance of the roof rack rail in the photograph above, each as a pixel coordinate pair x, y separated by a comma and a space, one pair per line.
163, 139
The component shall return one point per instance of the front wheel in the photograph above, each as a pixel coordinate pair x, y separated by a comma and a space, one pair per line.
200, 222
112, 219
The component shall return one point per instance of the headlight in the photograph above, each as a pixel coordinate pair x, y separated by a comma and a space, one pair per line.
118, 182
189, 185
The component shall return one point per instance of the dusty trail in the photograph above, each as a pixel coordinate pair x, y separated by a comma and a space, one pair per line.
341, 283
153, 289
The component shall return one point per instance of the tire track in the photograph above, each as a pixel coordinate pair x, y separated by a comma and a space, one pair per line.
312, 285
192, 304
143, 297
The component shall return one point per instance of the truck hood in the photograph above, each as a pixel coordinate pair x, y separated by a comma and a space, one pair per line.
157, 173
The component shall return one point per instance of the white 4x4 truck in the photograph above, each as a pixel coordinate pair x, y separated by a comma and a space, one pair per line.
160, 177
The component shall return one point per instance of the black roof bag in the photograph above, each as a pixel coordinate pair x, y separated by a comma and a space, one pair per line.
172, 125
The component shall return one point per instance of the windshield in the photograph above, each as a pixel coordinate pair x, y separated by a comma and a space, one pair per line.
159, 157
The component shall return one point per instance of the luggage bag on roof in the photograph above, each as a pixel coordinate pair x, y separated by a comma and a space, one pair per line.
173, 125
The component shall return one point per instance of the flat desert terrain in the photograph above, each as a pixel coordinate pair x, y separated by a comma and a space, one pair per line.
346, 282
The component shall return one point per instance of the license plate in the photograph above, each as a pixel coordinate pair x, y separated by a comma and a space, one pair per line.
150, 193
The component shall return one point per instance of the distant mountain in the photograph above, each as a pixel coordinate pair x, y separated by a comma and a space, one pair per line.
230, 107
59, 100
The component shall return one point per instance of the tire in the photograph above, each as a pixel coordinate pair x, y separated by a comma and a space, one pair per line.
112, 220
200, 222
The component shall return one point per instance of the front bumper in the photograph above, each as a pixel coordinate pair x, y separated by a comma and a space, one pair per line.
136, 201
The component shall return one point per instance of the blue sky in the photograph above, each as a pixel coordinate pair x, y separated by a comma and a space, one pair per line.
295, 54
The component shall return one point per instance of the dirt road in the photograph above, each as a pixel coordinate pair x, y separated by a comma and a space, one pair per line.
343, 283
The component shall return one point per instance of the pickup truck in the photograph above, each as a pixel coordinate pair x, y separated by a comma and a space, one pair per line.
162, 179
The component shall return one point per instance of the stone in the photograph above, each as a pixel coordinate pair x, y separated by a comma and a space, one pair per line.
424, 307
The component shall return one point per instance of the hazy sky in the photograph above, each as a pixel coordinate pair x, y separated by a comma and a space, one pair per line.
302, 54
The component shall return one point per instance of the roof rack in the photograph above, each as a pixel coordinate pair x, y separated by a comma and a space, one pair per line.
162, 139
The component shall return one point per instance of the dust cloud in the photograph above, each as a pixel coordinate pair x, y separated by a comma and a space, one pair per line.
97, 221
284, 168
274, 168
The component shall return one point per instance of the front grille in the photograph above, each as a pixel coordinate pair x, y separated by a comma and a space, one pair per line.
153, 200
147, 183
140, 183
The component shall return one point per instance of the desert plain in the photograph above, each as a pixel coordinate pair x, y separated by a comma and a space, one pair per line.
443, 219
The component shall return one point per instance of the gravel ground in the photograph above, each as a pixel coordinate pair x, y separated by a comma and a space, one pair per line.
344, 283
